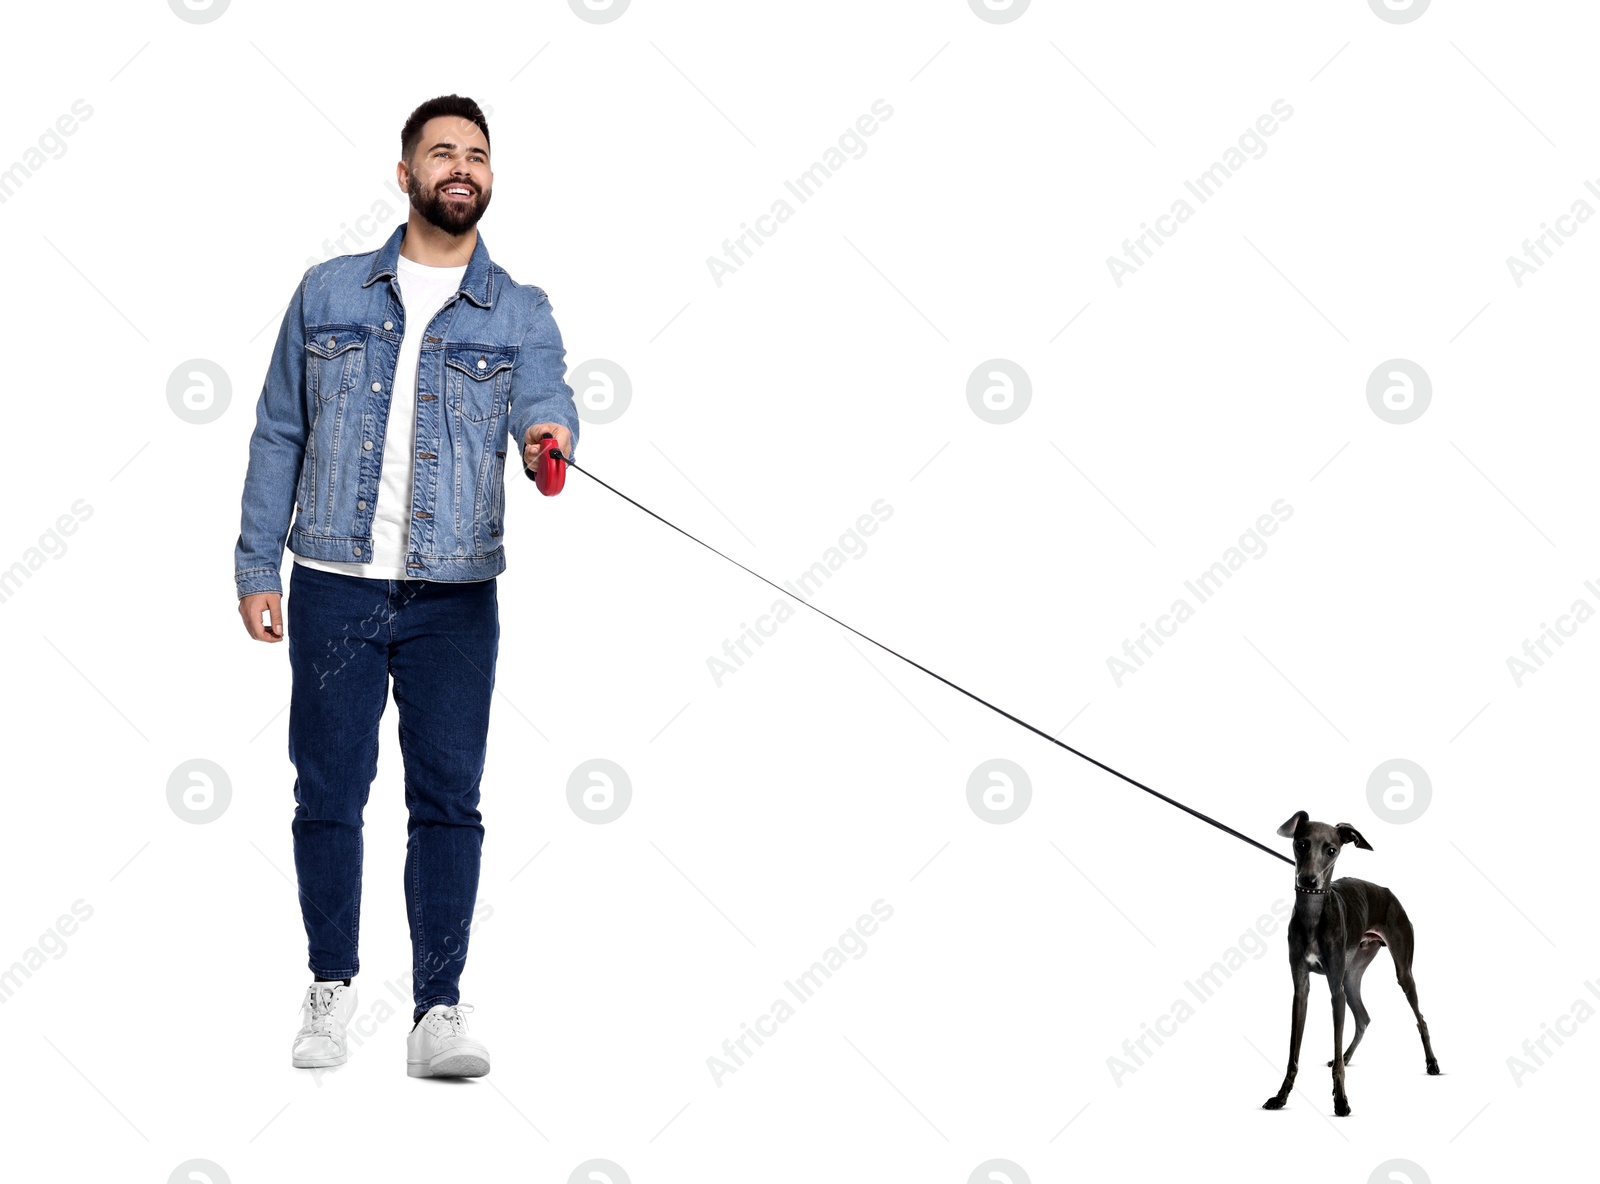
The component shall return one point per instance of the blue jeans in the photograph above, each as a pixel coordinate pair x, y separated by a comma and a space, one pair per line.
439, 640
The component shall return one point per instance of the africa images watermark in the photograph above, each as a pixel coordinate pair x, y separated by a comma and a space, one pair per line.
354, 239
365, 1024
1538, 250
52, 941
739, 250
380, 618
1137, 251
803, 988
1204, 986
1251, 545
1566, 1025
1535, 650
50, 546
50, 146
850, 546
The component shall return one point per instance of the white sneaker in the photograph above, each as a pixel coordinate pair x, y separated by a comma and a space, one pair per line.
324, 1012
440, 1047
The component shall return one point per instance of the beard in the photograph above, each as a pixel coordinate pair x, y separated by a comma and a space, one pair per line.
450, 215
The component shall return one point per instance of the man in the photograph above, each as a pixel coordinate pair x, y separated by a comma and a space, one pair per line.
382, 429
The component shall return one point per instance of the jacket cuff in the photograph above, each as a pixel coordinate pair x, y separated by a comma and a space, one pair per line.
261, 579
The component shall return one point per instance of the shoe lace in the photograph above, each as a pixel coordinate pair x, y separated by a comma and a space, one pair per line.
454, 1016
321, 1000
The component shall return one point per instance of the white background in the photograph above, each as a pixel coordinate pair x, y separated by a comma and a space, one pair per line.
767, 415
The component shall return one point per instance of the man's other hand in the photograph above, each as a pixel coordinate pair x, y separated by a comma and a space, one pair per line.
251, 607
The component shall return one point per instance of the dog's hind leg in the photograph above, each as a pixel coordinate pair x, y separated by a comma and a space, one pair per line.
1402, 944
1359, 961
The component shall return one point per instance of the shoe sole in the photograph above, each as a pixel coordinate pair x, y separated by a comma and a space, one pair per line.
456, 1065
319, 1062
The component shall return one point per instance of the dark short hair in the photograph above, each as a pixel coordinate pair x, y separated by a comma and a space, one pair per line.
460, 105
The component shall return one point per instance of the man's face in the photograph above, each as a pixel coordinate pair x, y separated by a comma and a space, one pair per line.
450, 156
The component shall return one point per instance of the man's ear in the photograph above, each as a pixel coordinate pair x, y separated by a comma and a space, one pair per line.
1288, 829
1349, 834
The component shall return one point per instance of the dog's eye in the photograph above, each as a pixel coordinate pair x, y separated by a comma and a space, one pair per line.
1333, 850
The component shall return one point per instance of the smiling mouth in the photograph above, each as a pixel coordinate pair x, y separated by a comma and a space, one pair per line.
458, 191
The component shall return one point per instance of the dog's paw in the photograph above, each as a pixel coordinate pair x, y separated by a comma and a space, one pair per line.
1341, 1107
1346, 1061
1273, 1103
1433, 1068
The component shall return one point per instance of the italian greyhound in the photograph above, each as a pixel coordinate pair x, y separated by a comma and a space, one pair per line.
1337, 928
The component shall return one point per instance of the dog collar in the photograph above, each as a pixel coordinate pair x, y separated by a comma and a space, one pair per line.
1313, 891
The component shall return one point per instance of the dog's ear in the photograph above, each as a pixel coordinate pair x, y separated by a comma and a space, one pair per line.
1349, 834
1288, 829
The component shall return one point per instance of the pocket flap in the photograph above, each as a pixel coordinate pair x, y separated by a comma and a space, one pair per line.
330, 342
480, 361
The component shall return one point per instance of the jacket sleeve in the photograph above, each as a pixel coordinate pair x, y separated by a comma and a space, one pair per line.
539, 391
277, 448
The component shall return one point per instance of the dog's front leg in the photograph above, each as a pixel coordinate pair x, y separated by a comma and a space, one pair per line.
1341, 1104
1297, 1026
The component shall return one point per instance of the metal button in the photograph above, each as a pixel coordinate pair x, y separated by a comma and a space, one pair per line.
388, 324
377, 386
483, 364
362, 504
358, 550
332, 343
367, 445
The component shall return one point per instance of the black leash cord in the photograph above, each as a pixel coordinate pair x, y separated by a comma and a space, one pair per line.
948, 683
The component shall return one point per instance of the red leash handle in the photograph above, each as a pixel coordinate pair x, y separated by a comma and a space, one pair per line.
549, 471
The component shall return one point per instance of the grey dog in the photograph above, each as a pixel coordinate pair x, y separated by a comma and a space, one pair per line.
1337, 928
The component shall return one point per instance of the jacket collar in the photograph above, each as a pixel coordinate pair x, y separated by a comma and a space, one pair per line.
477, 283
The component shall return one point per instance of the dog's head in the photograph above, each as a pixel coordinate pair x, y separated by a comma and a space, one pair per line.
1316, 846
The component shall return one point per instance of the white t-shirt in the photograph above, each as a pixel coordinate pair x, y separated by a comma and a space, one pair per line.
423, 290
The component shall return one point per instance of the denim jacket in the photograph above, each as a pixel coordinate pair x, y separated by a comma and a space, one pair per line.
492, 362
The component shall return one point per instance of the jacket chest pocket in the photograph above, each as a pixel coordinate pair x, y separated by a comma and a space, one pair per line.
478, 380
333, 360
